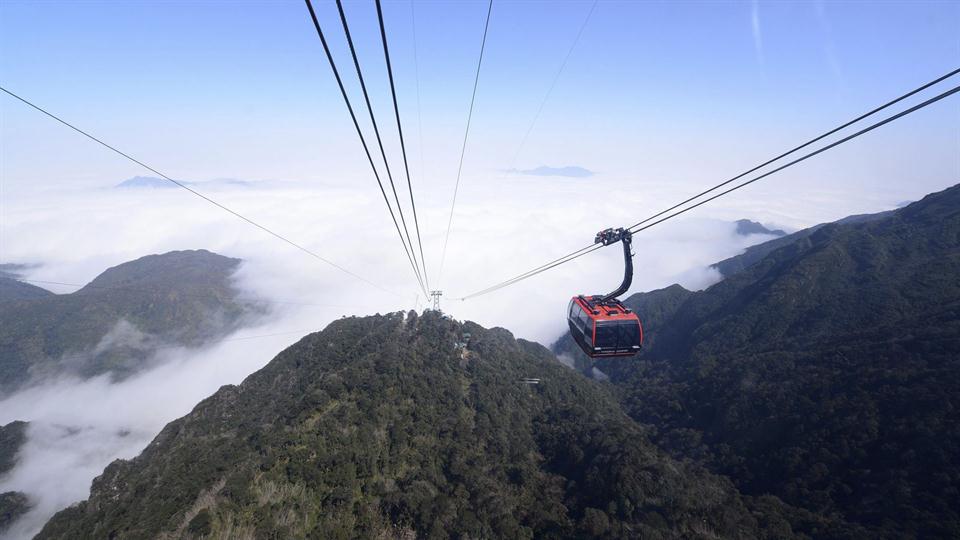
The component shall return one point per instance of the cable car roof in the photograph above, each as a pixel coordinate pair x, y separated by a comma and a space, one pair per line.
610, 310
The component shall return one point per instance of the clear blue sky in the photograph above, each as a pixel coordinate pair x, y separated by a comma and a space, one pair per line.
241, 89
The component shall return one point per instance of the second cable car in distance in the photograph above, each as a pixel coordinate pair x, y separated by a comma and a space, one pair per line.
601, 325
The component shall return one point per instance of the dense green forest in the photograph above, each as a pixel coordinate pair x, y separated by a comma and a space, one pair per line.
116, 322
825, 373
403, 426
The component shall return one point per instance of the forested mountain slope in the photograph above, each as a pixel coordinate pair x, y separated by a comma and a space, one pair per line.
12, 290
13, 504
120, 318
12, 436
826, 373
386, 427
753, 254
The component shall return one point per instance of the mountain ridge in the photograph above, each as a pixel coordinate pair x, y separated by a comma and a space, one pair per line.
753, 254
398, 426
746, 227
114, 323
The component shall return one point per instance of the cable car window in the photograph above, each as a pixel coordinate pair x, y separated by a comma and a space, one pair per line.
585, 323
629, 334
618, 335
607, 335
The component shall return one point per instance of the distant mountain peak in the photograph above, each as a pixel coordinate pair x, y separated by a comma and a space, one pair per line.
151, 182
147, 182
167, 268
746, 227
115, 322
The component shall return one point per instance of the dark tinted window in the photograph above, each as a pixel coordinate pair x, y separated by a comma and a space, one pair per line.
629, 334
587, 326
618, 335
607, 334
585, 323
580, 319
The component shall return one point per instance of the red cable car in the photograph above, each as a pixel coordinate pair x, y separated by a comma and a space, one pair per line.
601, 325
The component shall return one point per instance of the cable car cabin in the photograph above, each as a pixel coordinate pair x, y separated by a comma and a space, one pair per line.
604, 329
601, 325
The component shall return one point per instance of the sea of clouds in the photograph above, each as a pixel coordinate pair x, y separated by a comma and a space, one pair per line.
502, 227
